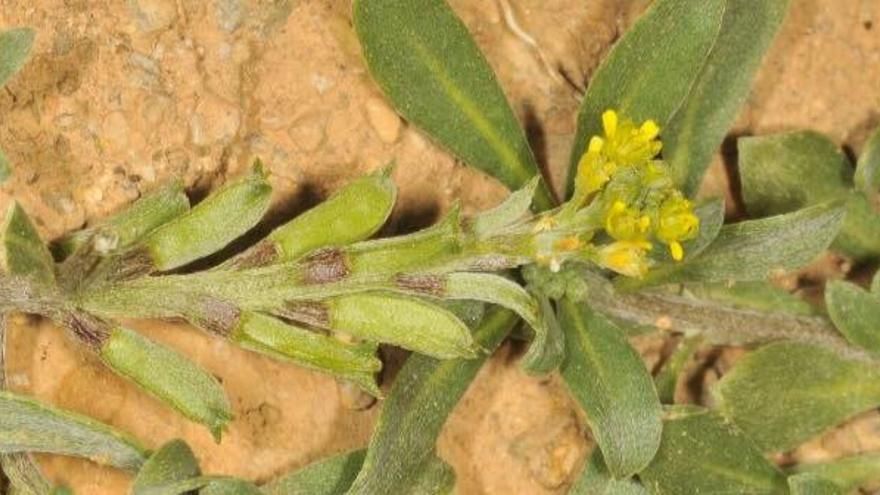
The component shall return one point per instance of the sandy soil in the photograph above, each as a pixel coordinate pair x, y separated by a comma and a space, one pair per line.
121, 95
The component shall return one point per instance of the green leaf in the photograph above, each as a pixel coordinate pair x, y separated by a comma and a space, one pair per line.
514, 208
700, 453
230, 487
548, 347
596, 480
30, 426
22, 252
694, 134
331, 476
182, 384
426, 62
849, 472
609, 380
754, 249
784, 172
812, 484
435, 477
786, 393
667, 379
866, 178
760, 295
421, 398
651, 69
15, 45
855, 312
173, 462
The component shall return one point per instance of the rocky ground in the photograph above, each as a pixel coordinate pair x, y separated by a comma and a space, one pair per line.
122, 95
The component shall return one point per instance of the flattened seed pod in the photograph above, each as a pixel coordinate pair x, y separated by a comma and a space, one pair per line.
408, 322
132, 223
181, 384
212, 224
272, 337
354, 213
21, 250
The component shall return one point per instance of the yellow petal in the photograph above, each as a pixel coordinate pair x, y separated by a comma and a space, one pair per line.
596, 144
676, 250
609, 122
649, 130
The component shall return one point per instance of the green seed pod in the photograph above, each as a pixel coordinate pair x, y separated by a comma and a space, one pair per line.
354, 213
181, 383
131, 224
408, 322
21, 250
212, 224
272, 337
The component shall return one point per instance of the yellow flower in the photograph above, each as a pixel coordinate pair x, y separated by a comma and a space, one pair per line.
625, 257
625, 223
676, 222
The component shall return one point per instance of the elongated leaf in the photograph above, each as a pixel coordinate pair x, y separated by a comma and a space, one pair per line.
21, 250
700, 124
866, 177
610, 382
548, 347
652, 67
812, 484
855, 312
754, 249
230, 487
700, 453
182, 384
30, 426
667, 380
435, 477
514, 208
15, 45
848, 473
331, 476
426, 62
173, 462
784, 172
405, 321
758, 294
786, 393
596, 480
420, 400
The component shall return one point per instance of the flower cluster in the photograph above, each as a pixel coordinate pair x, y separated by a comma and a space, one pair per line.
627, 196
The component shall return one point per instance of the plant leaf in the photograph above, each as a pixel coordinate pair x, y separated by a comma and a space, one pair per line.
421, 398
596, 480
650, 70
230, 486
700, 453
786, 393
812, 484
30, 426
754, 249
760, 295
512, 209
667, 379
173, 462
849, 472
330, 476
866, 178
5, 167
15, 45
855, 312
22, 252
696, 130
427, 64
609, 380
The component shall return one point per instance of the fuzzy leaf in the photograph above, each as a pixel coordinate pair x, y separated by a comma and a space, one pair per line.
786, 393
848, 473
15, 45
866, 177
812, 484
610, 382
24, 475
651, 69
514, 208
758, 295
855, 312
331, 476
182, 384
27, 425
700, 453
754, 249
667, 379
421, 398
22, 252
596, 480
406, 321
230, 487
426, 62
173, 462
694, 134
